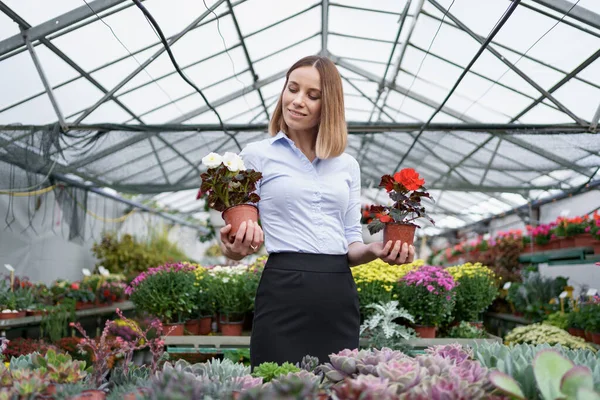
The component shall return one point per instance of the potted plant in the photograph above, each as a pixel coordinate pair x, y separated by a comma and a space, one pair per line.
406, 190
365, 219
229, 188
476, 290
165, 292
233, 300
428, 293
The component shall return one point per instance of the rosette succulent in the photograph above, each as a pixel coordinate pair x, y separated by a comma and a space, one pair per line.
453, 351
403, 374
441, 388
365, 387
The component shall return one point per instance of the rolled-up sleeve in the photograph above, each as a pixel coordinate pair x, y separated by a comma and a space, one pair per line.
352, 226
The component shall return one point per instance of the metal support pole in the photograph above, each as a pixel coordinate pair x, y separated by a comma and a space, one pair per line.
47, 86
324, 26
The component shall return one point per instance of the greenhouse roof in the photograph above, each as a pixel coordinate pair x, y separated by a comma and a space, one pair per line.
495, 103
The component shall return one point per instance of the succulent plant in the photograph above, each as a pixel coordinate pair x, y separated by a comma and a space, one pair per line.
402, 374
29, 361
444, 387
5, 376
133, 375
556, 377
309, 363
517, 361
172, 384
27, 382
369, 359
453, 351
435, 365
271, 370
247, 382
364, 387
221, 369
350, 363
471, 372
296, 385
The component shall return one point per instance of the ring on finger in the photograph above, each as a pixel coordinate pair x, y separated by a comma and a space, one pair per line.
253, 247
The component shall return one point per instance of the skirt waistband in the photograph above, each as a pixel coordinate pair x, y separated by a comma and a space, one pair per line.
309, 262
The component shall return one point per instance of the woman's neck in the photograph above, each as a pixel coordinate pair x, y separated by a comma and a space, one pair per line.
306, 141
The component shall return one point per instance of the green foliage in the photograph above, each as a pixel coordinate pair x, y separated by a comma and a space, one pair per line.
167, 294
558, 319
129, 256
533, 297
55, 322
271, 370
466, 331
381, 328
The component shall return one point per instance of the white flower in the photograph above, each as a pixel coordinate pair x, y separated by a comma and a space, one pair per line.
212, 160
233, 162
225, 280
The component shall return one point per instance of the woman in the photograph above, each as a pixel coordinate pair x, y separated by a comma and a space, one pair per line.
307, 303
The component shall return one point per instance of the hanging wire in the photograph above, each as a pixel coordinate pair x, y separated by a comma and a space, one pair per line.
180, 72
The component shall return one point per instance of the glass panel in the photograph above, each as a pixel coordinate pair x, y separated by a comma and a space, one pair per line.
284, 60
42, 11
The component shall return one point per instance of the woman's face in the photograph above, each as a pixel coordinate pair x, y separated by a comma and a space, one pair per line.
301, 99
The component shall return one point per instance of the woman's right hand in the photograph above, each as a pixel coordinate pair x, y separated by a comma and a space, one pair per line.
248, 240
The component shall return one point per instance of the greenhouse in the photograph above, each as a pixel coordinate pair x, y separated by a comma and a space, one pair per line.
130, 132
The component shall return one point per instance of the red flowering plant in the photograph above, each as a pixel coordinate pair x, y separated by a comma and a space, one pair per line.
366, 215
406, 189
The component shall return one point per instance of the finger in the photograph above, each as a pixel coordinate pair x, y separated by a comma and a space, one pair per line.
225, 234
249, 233
411, 253
395, 250
262, 235
387, 248
239, 237
403, 253
256, 238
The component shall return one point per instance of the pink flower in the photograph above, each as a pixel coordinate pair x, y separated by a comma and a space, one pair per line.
588, 229
430, 288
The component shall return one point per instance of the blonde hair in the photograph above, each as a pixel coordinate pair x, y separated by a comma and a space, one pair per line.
332, 136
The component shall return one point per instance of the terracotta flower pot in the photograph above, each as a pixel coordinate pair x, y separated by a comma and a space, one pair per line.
588, 336
174, 329
596, 337
395, 231
205, 325
577, 332
425, 332
231, 325
13, 315
478, 325
237, 214
231, 329
585, 240
192, 326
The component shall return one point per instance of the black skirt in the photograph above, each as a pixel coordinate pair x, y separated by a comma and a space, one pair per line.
306, 304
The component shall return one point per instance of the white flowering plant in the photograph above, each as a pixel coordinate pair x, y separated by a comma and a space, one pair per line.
227, 182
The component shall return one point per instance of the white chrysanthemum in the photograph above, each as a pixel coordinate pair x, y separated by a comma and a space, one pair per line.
233, 162
212, 160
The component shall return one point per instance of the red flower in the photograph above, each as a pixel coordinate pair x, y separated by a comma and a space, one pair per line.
389, 186
75, 286
409, 178
384, 218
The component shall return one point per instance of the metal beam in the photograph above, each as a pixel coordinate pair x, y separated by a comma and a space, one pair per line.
398, 63
25, 26
560, 83
393, 86
595, 119
138, 138
381, 86
324, 26
248, 59
55, 24
354, 127
45, 82
142, 66
508, 63
576, 12
228, 98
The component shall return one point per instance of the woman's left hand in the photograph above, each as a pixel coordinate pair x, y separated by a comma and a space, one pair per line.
399, 253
